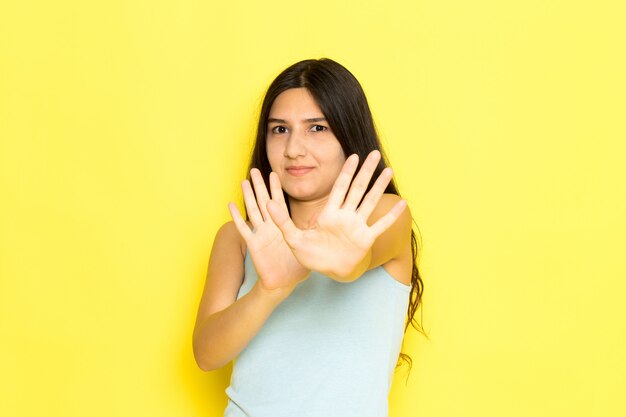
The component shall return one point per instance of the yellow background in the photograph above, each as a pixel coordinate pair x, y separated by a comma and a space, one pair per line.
125, 128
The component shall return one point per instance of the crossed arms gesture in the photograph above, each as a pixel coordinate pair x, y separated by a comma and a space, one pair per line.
340, 242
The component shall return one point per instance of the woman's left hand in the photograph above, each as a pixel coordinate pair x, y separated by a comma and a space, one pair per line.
339, 244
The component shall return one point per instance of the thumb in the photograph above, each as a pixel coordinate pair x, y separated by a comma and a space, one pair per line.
280, 216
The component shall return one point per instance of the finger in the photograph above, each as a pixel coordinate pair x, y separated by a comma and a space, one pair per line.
376, 192
262, 197
362, 180
277, 190
281, 218
388, 219
251, 206
342, 183
240, 223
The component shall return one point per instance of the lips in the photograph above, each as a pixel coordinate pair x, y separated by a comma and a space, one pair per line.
299, 171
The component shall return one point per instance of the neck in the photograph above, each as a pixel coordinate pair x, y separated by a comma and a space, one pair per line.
304, 213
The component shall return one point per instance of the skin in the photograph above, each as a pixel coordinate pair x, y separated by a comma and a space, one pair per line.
299, 135
328, 231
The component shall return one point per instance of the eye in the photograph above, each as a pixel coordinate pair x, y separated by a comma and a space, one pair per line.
279, 129
318, 128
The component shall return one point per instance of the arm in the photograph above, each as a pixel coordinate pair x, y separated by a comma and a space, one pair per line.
225, 325
391, 249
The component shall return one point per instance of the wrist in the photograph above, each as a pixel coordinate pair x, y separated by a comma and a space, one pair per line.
273, 296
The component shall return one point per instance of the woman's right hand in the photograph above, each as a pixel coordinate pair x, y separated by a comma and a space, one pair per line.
275, 264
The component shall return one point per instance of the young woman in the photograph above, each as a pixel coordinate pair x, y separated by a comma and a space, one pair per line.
311, 294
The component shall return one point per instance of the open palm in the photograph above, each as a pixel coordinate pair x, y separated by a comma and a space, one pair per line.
273, 260
341, 239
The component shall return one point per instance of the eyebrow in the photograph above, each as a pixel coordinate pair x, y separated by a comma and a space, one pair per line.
311, 120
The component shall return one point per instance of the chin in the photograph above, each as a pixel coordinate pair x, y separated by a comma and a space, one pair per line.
300, 196
300, 193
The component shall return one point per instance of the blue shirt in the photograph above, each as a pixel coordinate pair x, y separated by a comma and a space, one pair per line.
329, 349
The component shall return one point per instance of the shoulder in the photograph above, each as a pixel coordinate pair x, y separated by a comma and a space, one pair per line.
388, 199
228, 236
392, 249
225, 271
386, 203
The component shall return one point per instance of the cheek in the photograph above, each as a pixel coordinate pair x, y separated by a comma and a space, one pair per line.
339, 167
340, 157
273, 153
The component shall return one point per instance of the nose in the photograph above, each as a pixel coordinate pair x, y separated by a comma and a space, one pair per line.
296, 145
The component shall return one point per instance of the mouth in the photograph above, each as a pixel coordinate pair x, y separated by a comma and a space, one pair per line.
298, 171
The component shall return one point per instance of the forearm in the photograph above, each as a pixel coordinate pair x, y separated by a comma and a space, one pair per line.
224, 334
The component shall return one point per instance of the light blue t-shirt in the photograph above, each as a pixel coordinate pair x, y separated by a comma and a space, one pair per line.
328, 350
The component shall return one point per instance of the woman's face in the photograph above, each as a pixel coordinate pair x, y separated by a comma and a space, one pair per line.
301, 148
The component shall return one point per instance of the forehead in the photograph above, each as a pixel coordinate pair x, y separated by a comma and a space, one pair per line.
295, 103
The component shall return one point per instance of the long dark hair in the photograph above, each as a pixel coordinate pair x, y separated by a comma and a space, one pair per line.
344, 105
